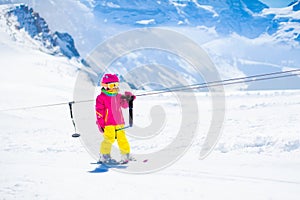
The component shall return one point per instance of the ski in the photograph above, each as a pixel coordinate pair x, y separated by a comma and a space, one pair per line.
109, 164
104, 167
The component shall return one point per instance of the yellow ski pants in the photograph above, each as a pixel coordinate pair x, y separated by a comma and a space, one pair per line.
110, 135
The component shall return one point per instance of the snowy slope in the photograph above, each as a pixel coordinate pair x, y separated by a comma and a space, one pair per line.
44, 162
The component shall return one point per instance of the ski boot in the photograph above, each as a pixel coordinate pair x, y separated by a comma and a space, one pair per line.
106, 159
125, 158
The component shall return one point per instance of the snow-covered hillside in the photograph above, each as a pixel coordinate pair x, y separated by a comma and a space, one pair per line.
21, 17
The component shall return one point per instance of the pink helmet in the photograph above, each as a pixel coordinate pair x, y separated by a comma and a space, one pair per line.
109, 78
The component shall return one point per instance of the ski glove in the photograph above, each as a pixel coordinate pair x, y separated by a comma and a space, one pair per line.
129, 94
101, 130
100, 127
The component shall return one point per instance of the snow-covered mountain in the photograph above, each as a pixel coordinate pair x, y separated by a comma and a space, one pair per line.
241, 37
92, 21
22, 18
236, 16
29, 58
226, 16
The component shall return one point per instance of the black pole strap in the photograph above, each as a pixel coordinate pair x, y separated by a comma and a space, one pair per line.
70, 106
129, 99
130, 102
71, 113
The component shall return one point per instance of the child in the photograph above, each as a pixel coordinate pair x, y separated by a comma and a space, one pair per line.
110, 120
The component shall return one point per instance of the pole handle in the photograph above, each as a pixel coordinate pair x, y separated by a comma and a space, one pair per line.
71, 113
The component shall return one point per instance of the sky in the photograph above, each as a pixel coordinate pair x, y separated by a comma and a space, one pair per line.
277, 3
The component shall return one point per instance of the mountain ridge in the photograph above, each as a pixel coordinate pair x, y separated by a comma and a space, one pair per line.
21, 17
245, 18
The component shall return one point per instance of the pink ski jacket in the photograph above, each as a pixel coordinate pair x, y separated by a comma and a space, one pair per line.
108, 110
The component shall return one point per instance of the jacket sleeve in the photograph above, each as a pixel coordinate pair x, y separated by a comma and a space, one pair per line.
100, 112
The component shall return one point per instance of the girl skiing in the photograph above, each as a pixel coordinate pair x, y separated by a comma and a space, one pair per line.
110, 120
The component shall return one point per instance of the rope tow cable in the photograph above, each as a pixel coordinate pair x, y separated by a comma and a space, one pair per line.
179, 88
232, 81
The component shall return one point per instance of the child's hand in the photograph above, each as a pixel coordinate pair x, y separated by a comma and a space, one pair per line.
129, 94
101, 130
100, 125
